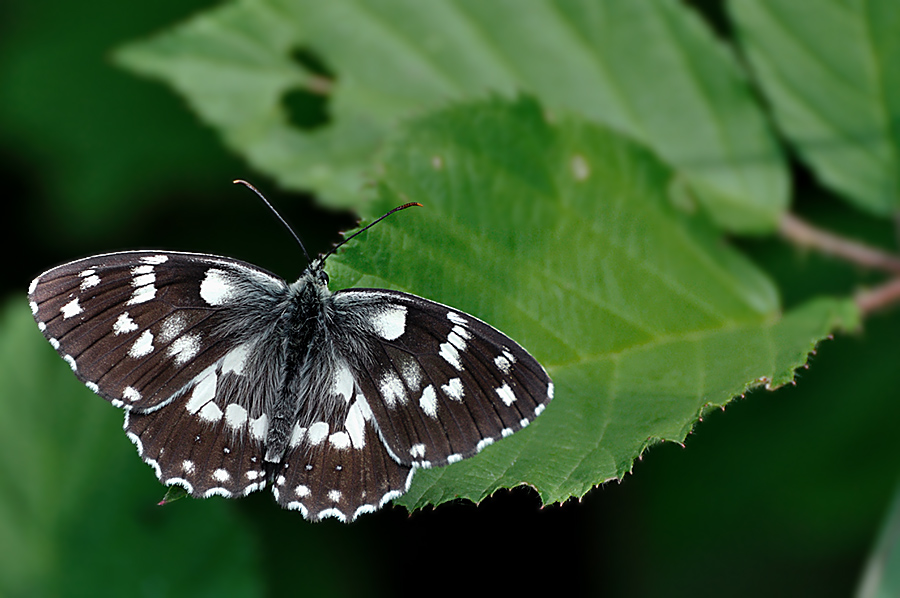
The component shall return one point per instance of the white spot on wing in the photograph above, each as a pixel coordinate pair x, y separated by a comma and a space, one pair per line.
454, 458
142, 346
484, 442
297, 435
259, 427
364, 406
417, 450
340, 440
451, 356
411, 373
204, 391
142, 295
550, 390
185, 348
235, 415
216, 288
355, 424
33, 286
71, 309
71, 361
124, 324
343, 383
187, 466
317, 432
144, 279
506, 394
392, 389
453, 389
235, 359
390, 322
220, 475
210, 412
503, 364
456, 318
428, 401
505, 361
335, 496
217, 491
456, 340
171, 327
90, 281
301, 491
155, 260
131, 394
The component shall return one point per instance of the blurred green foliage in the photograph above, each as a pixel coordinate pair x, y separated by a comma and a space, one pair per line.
783, 494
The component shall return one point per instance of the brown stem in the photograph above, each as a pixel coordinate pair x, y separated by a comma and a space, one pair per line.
804, 234
879, 297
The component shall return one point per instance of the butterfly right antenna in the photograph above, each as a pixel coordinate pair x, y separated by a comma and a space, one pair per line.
370, 225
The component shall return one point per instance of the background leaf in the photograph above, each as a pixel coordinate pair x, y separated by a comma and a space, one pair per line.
643, 317
631, 65
838, 103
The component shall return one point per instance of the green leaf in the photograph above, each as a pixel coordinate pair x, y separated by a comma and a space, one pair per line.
633, 65
560, 233
71, 480
828, 68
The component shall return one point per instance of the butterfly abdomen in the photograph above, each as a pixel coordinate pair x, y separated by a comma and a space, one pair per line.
300, 331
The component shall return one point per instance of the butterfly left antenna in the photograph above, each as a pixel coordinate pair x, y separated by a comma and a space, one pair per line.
274, 211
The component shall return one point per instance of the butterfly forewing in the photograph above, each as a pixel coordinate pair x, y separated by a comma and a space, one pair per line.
137, 327
444, 384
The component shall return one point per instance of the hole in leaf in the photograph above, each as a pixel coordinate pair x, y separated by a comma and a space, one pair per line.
308, 108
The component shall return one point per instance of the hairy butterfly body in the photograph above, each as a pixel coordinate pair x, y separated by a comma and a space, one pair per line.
233, 380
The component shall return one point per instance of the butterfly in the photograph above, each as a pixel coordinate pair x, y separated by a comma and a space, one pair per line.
233, 380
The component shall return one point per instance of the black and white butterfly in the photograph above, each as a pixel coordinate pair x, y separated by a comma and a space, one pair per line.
232, 380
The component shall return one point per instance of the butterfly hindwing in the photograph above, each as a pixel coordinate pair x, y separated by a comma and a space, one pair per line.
443, 384
205, 454
329, 472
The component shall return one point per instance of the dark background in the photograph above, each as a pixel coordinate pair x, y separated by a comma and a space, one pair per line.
782, 494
